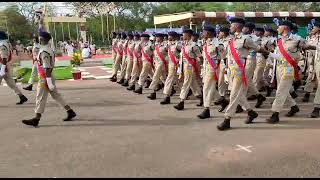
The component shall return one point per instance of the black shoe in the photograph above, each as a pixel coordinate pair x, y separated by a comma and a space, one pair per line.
306, 97
315, 113
71, 115
23, 99
131, 88
189, 93
121, 81
125, 83
293, 94
269, 91
139, 90
262, 89
28, 88
239, 109
166, 100
31, 122
296, 85
224, 125
179, 106
274, 118
253, 97
293, 111
219, 101
223, 105
205, 114
173, 92
158, 87
260, 100
201, 101
251, 116
113, 79
152, 96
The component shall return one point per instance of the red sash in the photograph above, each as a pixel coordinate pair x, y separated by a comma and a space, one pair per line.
191, 61
124, 51
114, 49
208, 58
290, 60
129, 52
162, 58
236, 58
119, 52
42, 73
146, 56
172, 57
135, 54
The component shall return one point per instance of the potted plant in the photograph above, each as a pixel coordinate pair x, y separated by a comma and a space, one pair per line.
76, 62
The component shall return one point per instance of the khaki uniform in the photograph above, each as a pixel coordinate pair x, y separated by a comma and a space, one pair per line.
214, 50
317, 71
114, 47
46, 60
190, 78
146, 65
5, 49
285, 72
175, 48
130, 48
222, 86
137, 63
258, 78
160, 69
314, 40
242, 44
124, 59
34, 72
118, 61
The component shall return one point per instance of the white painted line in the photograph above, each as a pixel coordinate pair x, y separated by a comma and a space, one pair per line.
84, 73
245, 148
102, 77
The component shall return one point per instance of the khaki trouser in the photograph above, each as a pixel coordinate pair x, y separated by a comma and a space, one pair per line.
129, 67
9, 80
258, 78
42, 95
310, 84
209, 87
116, 64
160, 71
190, 81
171, 79
145, 72
316, 100
137, 66
250, 67
34, 73
123, 67
222, 86
285, 77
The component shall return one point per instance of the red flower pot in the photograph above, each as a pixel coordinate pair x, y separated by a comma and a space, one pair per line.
76, 75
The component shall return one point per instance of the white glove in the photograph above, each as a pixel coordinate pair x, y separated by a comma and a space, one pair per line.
226, 79
274, 56
179, 70
311, 68
3, 70
50, 84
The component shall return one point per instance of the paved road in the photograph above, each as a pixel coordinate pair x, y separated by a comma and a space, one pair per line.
121, 134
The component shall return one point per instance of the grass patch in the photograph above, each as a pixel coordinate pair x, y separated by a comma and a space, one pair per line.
109, 65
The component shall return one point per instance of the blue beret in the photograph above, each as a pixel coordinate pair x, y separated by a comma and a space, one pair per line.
45, 35
173, 33
209, 28
123, 35
159, 35
250, 25
237, 20
195, 34
189, 31
136, 35
145, 35
286, 23
225, 30
3, 35
259, 29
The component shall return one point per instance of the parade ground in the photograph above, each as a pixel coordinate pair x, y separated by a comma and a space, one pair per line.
121, 134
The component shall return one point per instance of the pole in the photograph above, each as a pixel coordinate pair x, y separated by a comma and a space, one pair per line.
114, 23
101, 16
62, 32
55, 32
170, 25
108, 34
7, 28
69, 31
77, 32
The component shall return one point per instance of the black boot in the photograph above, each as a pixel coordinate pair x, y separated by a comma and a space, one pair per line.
293, 94
201, 101
158, 87
219, 101
262, 89
113, 79
23, 99
28, 88
260, 100
205, 114
251, 116
148, 83
71, 115
269, 91
223, 105
189, 93
239, 109
293, 111
274, 118
296, 85
152, 96
131, 88
179, 106
173, 92
306, 97
139, 90
166, 100
315, 113
121, 81
125, 83
224, 125
31, 122
253, 97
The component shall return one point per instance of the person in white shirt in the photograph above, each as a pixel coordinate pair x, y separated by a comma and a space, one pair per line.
86, 52
69, 48
93, 48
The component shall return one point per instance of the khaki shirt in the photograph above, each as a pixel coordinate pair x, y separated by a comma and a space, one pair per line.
137, 48
4, 50
214, 50
130, 46
46, 57
175, 47
163, 47
114, 44
35, 50
292, 44
148, 48
120, 46
224, 42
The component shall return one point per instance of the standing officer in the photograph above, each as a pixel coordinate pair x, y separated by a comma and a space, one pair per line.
286, 54
137, 64
130, 48
238, 51
34, 72
116, 64
46, 82
124, 43
5, 68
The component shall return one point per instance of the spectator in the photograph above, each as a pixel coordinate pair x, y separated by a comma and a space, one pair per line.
93, 48
86, 52
69, 48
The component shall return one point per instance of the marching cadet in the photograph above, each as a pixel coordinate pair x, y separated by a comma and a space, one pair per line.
174, 49
130, 49
286, 54
117, 62
137, 64
316, 110
212, 51
124, 44
191, 56
161, 63
46, 84
147, 48
34, 72
115, 39
238, 51
5, 66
